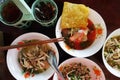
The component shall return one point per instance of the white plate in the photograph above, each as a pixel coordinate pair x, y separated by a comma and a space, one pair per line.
112, 70
90, 64
96, 45
12, 58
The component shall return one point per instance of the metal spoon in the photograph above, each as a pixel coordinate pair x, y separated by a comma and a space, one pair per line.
40, 12
53, 63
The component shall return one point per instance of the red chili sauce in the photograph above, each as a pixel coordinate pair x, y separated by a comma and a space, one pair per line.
77, 44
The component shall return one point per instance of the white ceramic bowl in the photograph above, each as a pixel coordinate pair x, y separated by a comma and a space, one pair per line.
96, 45
90, 65
12, 58
110, 69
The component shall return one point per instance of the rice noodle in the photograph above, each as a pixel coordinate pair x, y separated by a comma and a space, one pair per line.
112, 52
33, 59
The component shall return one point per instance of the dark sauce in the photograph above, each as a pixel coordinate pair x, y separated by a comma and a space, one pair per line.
46, 11
11, 13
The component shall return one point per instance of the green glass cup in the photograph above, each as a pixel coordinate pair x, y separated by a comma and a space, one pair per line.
16, 13
45, 12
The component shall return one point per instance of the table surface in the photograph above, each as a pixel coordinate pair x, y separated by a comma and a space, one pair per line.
108, 9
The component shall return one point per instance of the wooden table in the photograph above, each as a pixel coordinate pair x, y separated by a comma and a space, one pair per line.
108, 9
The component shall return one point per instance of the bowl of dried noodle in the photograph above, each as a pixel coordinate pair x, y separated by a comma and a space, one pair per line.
31, 62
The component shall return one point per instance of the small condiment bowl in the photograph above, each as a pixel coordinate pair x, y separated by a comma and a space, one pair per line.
45, 12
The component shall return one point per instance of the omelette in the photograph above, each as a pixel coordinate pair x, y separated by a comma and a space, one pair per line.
74, 15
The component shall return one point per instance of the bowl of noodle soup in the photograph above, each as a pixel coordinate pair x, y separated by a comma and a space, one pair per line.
91, 49
111, 53
30, 63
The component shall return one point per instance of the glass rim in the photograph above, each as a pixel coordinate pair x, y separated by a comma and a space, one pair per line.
5, 21
52, 18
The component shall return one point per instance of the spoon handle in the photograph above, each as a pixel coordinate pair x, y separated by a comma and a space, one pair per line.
60, 76
53, 64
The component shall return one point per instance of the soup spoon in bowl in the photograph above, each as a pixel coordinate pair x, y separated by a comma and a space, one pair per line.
52, 60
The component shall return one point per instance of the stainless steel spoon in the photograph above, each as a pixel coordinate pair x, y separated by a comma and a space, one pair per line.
53, 63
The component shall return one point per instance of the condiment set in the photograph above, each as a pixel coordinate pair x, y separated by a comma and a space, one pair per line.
17, 13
